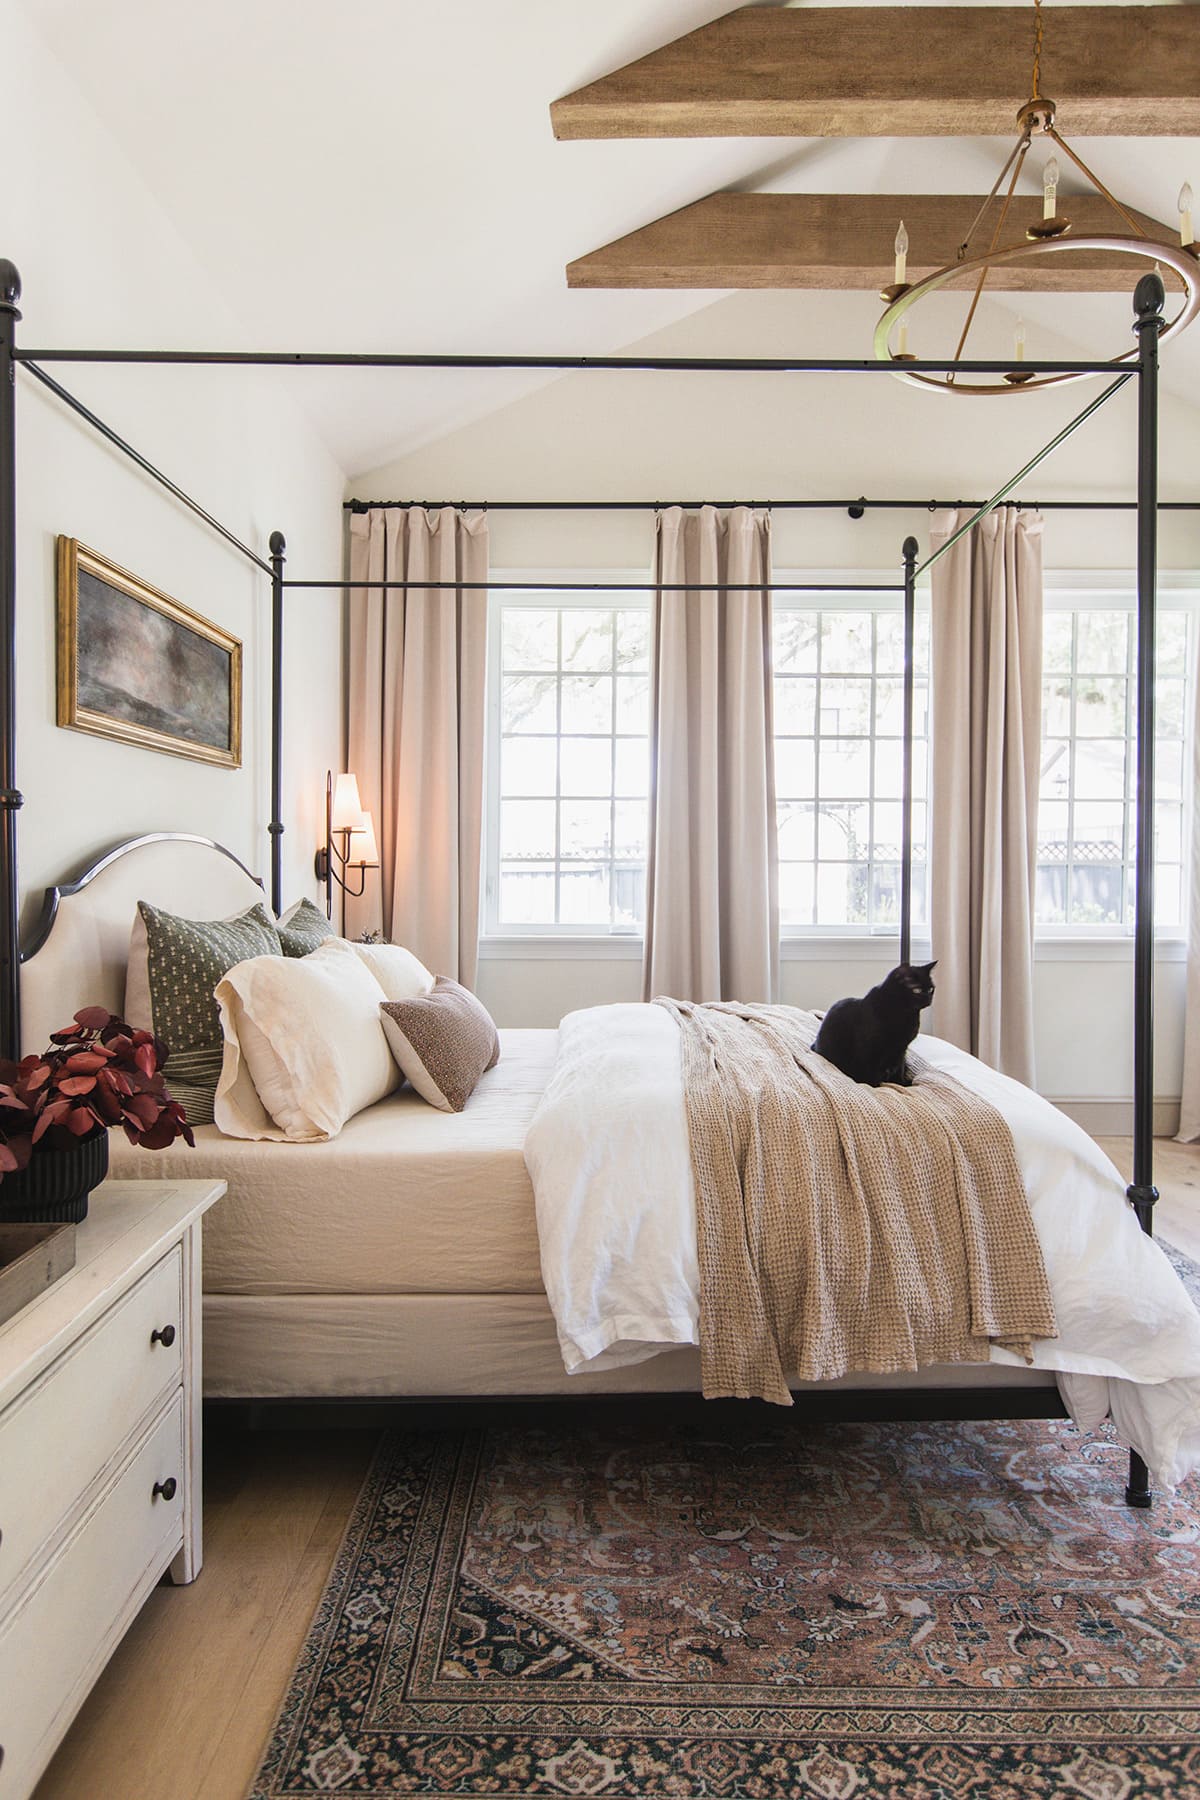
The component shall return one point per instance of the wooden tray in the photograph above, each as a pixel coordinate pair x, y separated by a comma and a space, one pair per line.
32, 1257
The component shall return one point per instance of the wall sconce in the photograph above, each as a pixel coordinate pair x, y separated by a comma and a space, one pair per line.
346, 819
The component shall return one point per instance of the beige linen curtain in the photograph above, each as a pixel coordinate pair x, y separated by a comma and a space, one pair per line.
417, 700
985, 745
1189, 1105
712, 909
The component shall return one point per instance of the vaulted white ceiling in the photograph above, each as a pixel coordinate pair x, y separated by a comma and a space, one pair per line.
383, 176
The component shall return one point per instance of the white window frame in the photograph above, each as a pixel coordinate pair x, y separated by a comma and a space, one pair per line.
533, 941
1178, 590
814, 594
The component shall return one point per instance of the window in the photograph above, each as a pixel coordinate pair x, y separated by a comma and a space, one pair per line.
839, 729
568, 763
1086, 812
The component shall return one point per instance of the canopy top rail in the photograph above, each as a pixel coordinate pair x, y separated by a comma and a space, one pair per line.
611, 587
734, 365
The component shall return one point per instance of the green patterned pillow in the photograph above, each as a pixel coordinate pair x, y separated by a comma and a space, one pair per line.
174, 965
302, 928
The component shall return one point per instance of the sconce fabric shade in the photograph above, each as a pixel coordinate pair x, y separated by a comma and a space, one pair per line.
363, 852
347, 805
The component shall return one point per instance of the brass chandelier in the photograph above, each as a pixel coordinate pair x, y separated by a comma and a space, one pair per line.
1049, 236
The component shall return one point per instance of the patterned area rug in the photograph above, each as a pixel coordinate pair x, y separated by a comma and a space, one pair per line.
732, 1605
1187, 1271
720, 1605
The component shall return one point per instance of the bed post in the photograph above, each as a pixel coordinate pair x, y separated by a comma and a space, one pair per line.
1148, 302
10, 799
909, 552
275, 828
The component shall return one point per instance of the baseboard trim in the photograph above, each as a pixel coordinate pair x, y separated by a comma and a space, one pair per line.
1114, 1118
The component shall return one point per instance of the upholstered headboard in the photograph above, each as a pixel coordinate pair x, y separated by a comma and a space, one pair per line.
78, 952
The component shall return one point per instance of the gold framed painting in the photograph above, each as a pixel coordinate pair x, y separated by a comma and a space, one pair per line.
137, 666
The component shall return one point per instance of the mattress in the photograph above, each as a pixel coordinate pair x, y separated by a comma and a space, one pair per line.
406, 1200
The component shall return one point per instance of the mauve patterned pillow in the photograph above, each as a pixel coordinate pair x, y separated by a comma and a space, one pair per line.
443, 1042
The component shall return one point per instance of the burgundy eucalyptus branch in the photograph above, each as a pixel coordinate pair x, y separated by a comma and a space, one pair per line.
97, 1073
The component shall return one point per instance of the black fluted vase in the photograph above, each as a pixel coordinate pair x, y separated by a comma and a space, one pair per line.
55, 1184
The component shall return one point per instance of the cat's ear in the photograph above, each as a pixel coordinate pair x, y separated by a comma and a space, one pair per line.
930, 967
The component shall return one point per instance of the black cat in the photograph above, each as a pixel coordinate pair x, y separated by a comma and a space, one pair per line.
867, 1039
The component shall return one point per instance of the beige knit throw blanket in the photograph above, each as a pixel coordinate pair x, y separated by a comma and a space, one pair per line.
841, 1227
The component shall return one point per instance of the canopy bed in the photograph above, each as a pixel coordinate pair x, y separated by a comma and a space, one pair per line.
283, 1315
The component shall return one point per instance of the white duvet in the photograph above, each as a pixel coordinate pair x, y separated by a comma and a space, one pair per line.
607, 1152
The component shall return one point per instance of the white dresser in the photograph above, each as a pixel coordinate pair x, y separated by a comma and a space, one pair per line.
99, 1456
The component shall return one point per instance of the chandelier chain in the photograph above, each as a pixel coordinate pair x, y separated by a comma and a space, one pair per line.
1037, 50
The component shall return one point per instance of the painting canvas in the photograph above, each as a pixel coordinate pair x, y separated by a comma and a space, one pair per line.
134, 664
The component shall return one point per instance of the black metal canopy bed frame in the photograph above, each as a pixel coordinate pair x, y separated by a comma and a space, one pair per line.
1148, 324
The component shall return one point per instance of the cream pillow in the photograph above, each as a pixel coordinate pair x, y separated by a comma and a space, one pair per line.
304, 1046
396, 970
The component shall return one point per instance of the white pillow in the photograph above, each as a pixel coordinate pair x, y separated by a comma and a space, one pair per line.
304, 1046
396, 970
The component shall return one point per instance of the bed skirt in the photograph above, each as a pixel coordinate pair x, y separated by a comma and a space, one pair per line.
383, 1346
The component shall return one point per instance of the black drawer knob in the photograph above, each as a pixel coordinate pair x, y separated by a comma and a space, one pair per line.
166, 1488
165, 1337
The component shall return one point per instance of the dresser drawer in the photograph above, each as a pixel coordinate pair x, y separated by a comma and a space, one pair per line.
63, 1631
74, 1419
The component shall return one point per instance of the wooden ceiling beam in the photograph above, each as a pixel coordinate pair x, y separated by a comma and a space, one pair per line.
845, 241
902, 71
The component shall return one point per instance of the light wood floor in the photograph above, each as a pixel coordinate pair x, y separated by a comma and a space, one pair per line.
184, 1708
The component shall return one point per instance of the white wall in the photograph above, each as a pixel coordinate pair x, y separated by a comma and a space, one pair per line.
102, 265
657, 436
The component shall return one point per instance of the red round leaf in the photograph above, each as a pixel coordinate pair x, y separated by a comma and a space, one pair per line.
76, 1085
94, 1018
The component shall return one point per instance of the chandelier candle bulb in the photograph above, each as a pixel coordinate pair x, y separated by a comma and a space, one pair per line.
1019, 340
1186, 237
901, 248
1050, 188
902, 339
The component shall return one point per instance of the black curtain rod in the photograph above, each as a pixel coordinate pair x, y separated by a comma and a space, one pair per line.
771, 365
853, 507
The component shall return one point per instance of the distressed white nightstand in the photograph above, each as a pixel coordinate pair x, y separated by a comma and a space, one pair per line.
100, 1489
